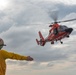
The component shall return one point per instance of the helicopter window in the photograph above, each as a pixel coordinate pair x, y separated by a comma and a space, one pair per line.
62, 28
55, 31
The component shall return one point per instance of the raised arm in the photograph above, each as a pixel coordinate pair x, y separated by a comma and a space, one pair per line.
10, 55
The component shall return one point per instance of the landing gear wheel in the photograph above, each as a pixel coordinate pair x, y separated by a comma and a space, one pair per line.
61, 42
52, 42
68, 36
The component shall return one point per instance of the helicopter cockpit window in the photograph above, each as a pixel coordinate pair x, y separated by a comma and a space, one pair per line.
62, 28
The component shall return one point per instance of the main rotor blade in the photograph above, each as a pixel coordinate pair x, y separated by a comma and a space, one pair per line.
66, 20
54, 14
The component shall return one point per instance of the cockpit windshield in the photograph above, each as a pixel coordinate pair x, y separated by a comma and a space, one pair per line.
62, 28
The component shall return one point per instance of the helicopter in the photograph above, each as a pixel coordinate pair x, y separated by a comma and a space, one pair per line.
56, 33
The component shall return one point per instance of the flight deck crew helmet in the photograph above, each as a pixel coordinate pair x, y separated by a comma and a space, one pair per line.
1, 43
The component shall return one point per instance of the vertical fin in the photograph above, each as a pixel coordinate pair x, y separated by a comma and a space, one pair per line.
41, 37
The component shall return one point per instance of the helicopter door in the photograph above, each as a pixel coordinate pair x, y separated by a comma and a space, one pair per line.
56, 31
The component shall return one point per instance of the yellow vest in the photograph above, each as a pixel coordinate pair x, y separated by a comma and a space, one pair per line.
8, 55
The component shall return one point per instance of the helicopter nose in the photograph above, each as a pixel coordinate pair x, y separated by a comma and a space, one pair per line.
69, 30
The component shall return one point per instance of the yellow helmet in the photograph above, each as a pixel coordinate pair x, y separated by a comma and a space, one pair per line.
1, 43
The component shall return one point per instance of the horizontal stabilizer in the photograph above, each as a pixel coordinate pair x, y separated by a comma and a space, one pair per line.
37, 41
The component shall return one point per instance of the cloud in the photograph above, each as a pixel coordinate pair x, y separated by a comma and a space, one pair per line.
19, 26
21, 33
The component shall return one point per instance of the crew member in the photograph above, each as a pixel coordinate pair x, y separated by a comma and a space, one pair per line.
9, 55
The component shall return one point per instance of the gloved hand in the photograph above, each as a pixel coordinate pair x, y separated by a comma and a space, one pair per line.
29, 58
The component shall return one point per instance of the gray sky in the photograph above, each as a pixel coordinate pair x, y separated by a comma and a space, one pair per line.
20, 21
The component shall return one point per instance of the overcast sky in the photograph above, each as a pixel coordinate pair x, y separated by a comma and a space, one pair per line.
20, 21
